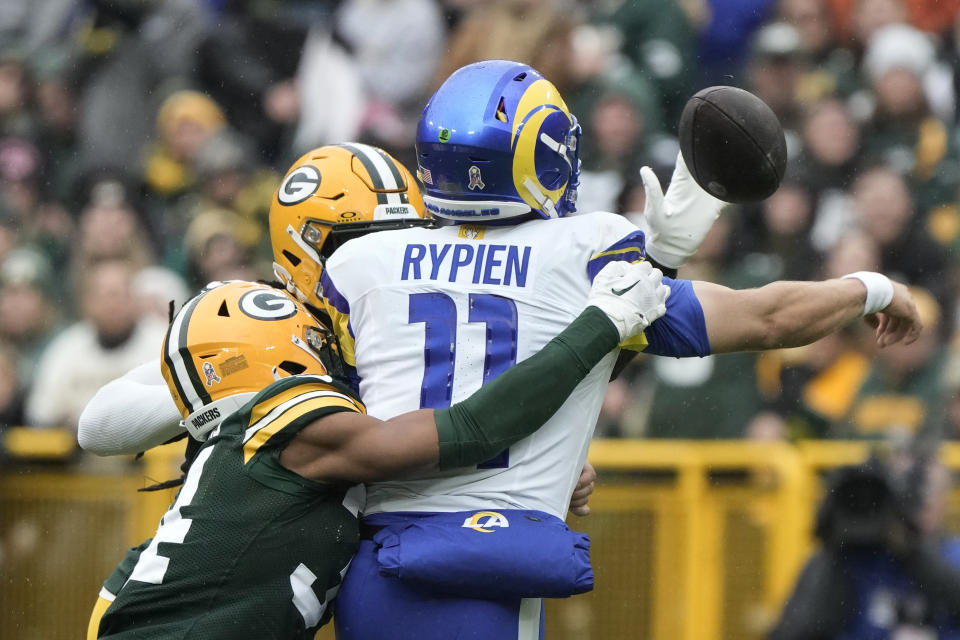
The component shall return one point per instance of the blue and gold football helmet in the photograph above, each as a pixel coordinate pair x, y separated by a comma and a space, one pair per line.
496, 141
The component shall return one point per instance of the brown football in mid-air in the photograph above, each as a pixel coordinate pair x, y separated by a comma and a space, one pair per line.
733, 144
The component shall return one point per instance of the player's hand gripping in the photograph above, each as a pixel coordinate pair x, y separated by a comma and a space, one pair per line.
581, 493
678, 222
898, 321
632, 295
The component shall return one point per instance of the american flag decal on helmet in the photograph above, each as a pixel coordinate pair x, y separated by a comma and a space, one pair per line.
425, 176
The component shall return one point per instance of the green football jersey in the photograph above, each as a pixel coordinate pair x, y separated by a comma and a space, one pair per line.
248, 549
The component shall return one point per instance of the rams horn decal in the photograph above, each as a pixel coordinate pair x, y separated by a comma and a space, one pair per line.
493, 519
267, 305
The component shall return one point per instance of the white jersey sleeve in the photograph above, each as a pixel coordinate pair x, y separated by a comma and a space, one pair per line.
427, 316
130, 414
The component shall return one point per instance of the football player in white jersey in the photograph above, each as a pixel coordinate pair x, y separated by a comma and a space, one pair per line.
330, 194
426, 316
262, 531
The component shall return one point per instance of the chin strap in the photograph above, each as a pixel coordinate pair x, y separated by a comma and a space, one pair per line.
557, 147
545, 203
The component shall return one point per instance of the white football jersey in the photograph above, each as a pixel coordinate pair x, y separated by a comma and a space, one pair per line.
429, 315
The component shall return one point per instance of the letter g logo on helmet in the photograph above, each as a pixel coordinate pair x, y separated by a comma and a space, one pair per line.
267, 305
299, 185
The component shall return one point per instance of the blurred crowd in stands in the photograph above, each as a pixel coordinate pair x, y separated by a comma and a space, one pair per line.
140, 142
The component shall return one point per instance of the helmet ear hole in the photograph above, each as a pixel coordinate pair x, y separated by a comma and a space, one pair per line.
293, 368
553, 179
223, 311
501, 113
294, 260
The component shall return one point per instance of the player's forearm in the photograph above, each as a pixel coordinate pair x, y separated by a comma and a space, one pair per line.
780, 314
508, 409
130, 414
522, 399
799, 313
359, 448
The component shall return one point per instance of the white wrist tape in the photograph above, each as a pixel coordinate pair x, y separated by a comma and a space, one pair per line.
879, 290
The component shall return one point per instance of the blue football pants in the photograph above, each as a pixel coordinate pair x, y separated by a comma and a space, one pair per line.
374, 607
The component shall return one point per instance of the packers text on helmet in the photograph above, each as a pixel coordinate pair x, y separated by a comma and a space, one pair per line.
330, 195
232, 340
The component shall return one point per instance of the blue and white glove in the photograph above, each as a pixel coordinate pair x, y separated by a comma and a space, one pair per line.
678, 222
631, 294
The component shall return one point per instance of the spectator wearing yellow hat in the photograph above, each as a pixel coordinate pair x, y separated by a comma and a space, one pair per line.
185, 121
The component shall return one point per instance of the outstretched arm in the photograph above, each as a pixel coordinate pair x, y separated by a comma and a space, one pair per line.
788, 314
361, 448
130, 414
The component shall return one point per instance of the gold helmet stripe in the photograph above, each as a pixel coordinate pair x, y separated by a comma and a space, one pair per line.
178, 387
397, 176
187, 380
391, 166
383, 176
375, 163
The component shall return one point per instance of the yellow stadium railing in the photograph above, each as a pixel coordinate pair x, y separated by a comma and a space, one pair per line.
65, 522
725, 532
690, 539
700, 539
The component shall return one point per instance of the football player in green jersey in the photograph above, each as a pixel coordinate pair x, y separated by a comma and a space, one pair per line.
262, 531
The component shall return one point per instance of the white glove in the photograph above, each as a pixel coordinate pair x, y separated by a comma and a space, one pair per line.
678, 222
631, 294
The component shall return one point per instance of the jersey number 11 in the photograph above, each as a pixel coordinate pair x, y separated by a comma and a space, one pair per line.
438, 313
